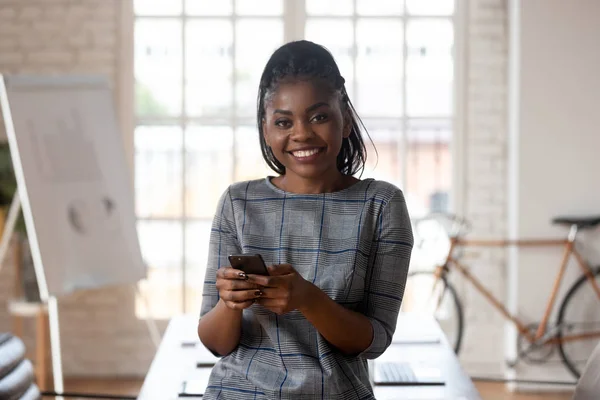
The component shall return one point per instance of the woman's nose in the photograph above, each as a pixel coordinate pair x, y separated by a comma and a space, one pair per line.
302, 131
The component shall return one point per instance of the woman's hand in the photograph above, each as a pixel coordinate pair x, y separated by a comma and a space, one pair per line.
283, 290
235, 290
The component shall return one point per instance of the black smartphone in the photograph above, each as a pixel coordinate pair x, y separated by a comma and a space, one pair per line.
249, 263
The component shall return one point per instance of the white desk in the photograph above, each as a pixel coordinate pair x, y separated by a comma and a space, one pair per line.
173, 362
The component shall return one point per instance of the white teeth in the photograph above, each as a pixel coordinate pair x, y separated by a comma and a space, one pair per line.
305, 153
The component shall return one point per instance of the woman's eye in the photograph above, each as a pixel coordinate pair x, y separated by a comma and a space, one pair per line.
282, 123
319, 118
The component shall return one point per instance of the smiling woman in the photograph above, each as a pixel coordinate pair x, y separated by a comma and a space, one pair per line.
305, 140
337, 247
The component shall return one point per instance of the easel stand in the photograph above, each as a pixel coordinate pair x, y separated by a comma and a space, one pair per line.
50, 305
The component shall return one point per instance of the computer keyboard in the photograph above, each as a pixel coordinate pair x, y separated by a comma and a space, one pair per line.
394, 372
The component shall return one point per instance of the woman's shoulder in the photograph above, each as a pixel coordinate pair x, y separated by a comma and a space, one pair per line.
249, 188
383, 190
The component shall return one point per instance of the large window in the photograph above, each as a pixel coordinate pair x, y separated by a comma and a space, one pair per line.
197, 66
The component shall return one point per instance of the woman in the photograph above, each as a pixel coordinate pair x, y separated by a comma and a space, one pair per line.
338, 248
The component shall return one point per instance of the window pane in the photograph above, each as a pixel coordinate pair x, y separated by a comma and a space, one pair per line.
429, 166
337, 7
158, 171
209, 168
208, 7
430, 7
429, 68
379, 67
256, 40
379, 7
209, 66
197, 236
387, 163
249, 160
158, 67
161, 243
337, 36
157, 7
259, 7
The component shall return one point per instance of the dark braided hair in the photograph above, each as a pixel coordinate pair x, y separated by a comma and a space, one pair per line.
307, 60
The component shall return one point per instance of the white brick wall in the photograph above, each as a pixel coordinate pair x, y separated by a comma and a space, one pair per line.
99, 330
485, 180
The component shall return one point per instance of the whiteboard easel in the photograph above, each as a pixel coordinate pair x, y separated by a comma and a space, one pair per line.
83, 94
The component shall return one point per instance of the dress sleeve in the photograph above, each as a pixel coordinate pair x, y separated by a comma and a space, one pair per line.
223, 242
387, 273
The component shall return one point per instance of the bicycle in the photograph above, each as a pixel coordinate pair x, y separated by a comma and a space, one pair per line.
578, 319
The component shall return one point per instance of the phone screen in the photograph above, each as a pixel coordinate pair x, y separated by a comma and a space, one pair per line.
249, 263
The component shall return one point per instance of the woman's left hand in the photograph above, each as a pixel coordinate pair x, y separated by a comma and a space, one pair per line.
283, 290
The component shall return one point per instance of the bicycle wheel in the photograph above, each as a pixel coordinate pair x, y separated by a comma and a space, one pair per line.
421, 298
579, 314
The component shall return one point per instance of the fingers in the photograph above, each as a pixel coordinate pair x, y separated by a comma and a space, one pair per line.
240, 296
260, 280
232, 279
231, 273
275, 293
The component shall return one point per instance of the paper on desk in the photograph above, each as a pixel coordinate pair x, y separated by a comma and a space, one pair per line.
196, 381
412, 328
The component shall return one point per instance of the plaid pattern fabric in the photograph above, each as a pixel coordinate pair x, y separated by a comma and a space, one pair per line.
354, 244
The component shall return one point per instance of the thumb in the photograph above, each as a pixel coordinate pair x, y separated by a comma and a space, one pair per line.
280, 269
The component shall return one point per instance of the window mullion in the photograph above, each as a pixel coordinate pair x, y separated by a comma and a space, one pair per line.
294, 20
402, 148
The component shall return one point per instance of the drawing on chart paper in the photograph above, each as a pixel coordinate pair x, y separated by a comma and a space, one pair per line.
97, 216
54, 162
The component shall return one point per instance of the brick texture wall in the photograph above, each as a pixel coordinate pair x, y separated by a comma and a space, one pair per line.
485, 177
100, 332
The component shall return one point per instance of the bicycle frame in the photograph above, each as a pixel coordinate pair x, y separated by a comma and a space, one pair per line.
569, 250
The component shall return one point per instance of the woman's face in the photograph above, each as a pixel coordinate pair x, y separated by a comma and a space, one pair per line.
304, 125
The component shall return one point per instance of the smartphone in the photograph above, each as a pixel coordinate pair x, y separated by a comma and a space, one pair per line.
249, 263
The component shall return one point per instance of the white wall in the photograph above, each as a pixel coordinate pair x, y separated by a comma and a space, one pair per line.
555, 142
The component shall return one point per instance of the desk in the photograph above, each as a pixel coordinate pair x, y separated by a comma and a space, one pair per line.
173, 362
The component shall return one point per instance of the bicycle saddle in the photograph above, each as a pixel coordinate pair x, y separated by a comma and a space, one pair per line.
581, 222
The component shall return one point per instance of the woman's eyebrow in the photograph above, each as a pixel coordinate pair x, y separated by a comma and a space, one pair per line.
308, 109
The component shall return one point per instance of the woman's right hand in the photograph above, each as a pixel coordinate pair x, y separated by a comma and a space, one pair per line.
235, 290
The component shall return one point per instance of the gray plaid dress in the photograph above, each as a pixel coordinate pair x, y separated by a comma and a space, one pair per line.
354, 244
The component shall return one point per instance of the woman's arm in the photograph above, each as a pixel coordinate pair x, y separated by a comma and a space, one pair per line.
220, 329
347, 330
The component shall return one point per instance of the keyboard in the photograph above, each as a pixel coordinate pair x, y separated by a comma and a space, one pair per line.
398, 373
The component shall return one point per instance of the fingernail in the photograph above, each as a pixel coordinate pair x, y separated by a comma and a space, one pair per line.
258, 293
242, 275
